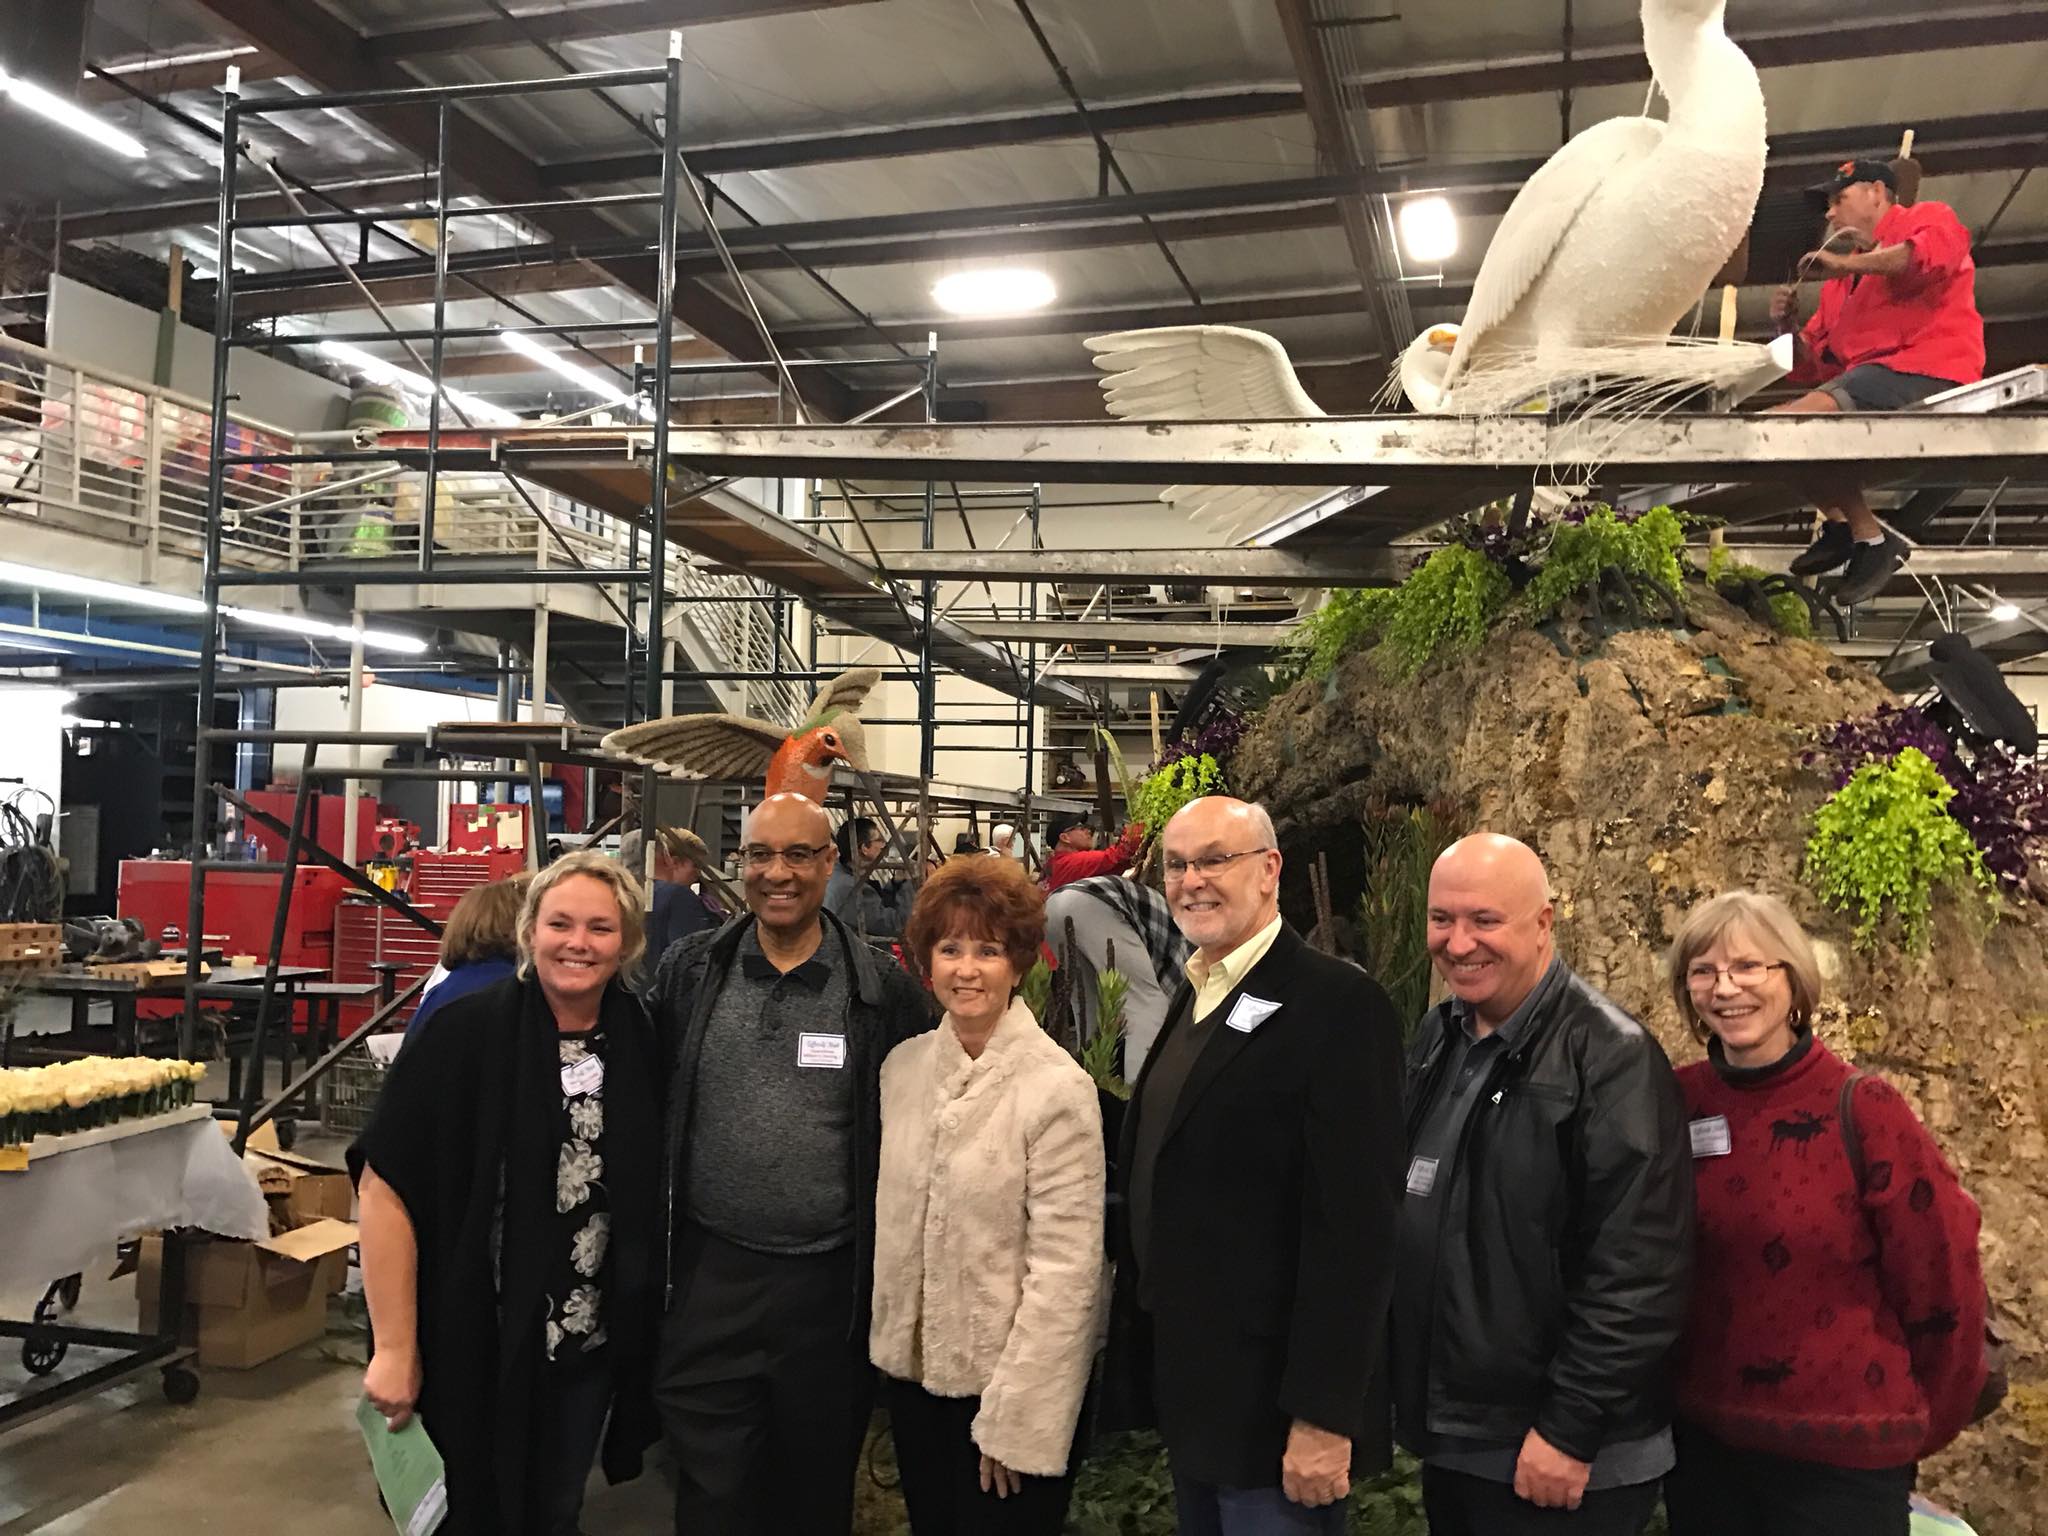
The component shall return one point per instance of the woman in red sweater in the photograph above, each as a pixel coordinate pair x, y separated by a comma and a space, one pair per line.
1836, 1333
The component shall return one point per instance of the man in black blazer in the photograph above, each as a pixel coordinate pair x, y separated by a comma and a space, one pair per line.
1258, 1186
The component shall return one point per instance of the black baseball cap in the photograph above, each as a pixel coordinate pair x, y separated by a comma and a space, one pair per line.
1064, 825
1849, 172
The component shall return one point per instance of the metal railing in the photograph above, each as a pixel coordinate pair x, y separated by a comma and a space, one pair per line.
97, 453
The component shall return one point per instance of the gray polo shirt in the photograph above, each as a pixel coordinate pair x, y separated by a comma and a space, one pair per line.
1430, 1170
771, 1126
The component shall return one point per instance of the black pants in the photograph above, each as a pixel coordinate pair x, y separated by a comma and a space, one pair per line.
763, 1391
579, 1388
941, 1471
1459, 1504
1717, 1490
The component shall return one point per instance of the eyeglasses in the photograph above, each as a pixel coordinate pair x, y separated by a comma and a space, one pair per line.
1744, 973
1208, 865
799, 857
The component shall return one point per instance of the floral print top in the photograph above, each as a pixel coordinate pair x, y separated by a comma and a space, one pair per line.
575, 1315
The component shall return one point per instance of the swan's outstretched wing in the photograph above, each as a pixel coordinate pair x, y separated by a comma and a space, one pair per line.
1536, 222
1199, 373
1208, 373
706, 746
846, 692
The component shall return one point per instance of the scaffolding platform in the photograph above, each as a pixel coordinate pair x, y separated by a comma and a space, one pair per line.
1425, 462
607, 468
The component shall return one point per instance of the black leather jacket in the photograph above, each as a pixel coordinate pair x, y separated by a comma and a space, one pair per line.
1566, 1251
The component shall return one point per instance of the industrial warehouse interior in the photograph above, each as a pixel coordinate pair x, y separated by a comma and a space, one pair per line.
855, 575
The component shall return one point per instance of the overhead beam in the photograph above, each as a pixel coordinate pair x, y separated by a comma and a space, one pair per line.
1078, 322
169, 79
1207, 566
1340, 150
496, 361
556, 24
536, 269
1768, 48
1134, 632
997, 131
322, 49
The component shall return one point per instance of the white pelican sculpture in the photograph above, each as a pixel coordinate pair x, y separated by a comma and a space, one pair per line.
1604, 250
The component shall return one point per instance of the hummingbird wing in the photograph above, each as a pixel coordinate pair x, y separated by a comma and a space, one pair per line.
845, 693
700, 746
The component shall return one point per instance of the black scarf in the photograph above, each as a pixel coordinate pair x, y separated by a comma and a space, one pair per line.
468, 1132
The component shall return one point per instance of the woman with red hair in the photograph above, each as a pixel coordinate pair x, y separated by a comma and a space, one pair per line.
989, 1273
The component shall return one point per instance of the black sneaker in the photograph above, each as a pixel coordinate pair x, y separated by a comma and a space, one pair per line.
1870, 567
1827, 553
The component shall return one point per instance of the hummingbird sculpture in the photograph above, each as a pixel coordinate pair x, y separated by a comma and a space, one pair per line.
792, 760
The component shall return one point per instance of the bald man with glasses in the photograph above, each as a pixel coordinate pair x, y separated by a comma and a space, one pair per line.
1258, 1182
774, 1028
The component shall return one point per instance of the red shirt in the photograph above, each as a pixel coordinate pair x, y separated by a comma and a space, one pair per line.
1824, 1326
1066, 867
1923, 321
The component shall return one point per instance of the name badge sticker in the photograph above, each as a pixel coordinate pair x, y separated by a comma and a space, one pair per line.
821, 1050
1710, 1137
587, 1076
1421, 1176
1250, 1012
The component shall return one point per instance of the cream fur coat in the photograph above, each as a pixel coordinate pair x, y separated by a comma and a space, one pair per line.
989, 1271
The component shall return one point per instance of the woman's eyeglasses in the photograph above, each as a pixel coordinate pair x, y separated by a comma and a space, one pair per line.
1744, 973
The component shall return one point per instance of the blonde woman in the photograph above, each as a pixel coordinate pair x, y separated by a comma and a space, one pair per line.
989, 1273
1836, 1332
507, 1186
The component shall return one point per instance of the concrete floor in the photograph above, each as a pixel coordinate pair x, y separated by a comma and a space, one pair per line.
275, 1448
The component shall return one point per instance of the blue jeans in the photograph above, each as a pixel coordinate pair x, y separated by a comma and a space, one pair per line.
1207, 1509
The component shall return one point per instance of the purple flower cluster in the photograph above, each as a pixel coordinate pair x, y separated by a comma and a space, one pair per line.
1218, 739
2000, 800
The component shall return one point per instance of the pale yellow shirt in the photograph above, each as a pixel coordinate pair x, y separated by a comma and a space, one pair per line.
1214, 981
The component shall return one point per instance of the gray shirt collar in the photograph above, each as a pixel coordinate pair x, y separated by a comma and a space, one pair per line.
1548, 983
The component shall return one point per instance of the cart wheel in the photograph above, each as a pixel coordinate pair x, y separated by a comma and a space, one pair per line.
67, 1290
287, 1133
42, 1356
181, 1386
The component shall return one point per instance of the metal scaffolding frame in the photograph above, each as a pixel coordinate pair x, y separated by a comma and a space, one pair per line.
634, 575
904, 615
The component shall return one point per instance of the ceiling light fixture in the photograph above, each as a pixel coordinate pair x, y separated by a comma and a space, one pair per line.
171, 602
176, 60
991, 293
1429, 229
2003, 610
63, 113
377, 371
580, 376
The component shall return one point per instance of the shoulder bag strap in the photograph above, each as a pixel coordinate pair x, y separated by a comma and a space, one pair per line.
1845, 1122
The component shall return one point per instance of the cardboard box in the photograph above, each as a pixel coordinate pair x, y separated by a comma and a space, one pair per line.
300, 1190
250, 1302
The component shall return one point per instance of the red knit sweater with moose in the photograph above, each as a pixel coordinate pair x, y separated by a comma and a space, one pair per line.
1824, 1326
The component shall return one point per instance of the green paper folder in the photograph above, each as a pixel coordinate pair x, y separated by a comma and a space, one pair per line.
409, 1472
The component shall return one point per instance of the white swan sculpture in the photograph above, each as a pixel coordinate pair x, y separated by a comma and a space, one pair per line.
1602, 252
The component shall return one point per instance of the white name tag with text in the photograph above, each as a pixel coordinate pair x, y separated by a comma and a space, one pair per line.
821, 1050
1710, 1137
1250, 1012
1421, 1176
587, 1076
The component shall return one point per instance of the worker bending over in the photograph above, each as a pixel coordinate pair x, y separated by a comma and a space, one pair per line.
1897, 322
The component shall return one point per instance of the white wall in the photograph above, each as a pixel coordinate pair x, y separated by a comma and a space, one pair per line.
97, 330
32, 748
385, 708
